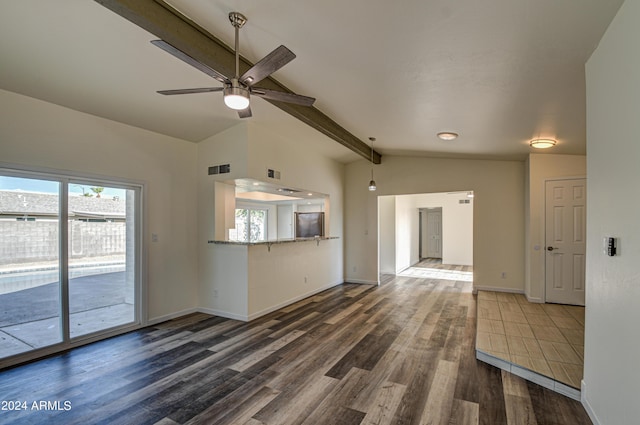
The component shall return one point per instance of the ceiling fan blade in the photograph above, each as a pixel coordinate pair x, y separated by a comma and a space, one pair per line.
190, 91
188, 59
283, 97
267, 65
245, 113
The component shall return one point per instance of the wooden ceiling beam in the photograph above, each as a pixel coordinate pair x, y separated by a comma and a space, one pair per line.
164, 22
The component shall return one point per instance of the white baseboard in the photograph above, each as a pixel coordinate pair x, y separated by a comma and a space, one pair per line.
291, 301
537, 300
477, 288
170, 316
222, 313
361, 281
586, 405
529, 375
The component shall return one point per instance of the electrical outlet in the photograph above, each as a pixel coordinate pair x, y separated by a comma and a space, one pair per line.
215, 293
305, 279
503, 275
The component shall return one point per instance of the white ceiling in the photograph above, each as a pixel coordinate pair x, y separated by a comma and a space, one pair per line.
499, 72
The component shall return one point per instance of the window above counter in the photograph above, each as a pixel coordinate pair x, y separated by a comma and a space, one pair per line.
254, 211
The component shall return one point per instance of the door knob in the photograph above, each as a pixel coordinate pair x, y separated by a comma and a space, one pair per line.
550, 248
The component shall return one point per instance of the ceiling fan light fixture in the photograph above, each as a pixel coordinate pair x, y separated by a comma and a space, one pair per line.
236, 98
447, 135
542, 143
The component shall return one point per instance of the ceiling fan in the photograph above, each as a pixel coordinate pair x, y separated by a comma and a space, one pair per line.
237, 90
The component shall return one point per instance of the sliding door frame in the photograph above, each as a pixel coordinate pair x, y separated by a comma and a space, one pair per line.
65, 178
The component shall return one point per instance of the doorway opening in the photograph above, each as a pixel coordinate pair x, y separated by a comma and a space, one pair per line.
437, 226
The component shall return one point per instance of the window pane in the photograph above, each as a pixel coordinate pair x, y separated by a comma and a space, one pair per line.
242, 230
101, 258
30, 308
258, 223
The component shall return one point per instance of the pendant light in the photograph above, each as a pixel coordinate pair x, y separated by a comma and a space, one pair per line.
372, 183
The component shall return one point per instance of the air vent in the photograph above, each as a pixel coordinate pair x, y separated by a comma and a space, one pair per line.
273, 174
465, 201
220, 169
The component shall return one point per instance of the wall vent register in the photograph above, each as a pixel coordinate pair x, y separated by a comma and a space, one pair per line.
273, 174
220, 169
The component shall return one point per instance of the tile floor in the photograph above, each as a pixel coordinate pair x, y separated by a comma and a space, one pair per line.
547, 339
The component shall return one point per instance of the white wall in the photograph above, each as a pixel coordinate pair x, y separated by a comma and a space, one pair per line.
38, 134
457, 225
498, 212
271, 278
406, 233
288, 272
540, 168
612, 346
387, 232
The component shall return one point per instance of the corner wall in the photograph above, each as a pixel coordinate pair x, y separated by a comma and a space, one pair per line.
498, 213
543, 167
38, 134
276, 275
612, 348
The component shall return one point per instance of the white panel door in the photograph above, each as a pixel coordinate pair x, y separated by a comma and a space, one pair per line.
566, 205
434, 232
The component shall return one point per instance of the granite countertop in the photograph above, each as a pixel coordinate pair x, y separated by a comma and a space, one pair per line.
276, 241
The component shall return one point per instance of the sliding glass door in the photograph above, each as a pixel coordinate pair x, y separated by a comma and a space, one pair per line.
101, 257
30, 287
69, 262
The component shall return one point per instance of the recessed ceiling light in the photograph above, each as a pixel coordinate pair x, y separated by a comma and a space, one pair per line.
309, 194
542, 143
447, 135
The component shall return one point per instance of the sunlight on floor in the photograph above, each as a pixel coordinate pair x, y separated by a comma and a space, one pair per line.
427, 273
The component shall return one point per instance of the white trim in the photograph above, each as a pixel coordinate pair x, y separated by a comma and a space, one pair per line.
537, 300
41, 353
283, 304
497, 289
586, 405
222, 313
530, 375
164, 318
44, 172
66, 178
362, 281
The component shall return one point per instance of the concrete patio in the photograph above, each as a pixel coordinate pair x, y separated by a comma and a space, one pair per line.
30, 318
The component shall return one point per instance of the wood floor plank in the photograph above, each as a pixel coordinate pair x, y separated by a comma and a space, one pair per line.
399, 353
437, 410
385, 404
294, 404
464, 413
258, 355
517, 401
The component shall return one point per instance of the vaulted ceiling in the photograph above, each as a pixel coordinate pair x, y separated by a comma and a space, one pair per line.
498, 72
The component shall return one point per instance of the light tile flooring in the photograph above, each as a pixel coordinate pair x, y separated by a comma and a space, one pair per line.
545, 338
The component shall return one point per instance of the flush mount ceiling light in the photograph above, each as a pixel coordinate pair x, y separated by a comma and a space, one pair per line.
372, 183
447, 135
542, 143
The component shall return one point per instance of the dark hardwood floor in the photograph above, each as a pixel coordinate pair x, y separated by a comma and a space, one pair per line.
400, 353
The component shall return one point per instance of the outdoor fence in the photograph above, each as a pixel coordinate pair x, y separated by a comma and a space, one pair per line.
35, 241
